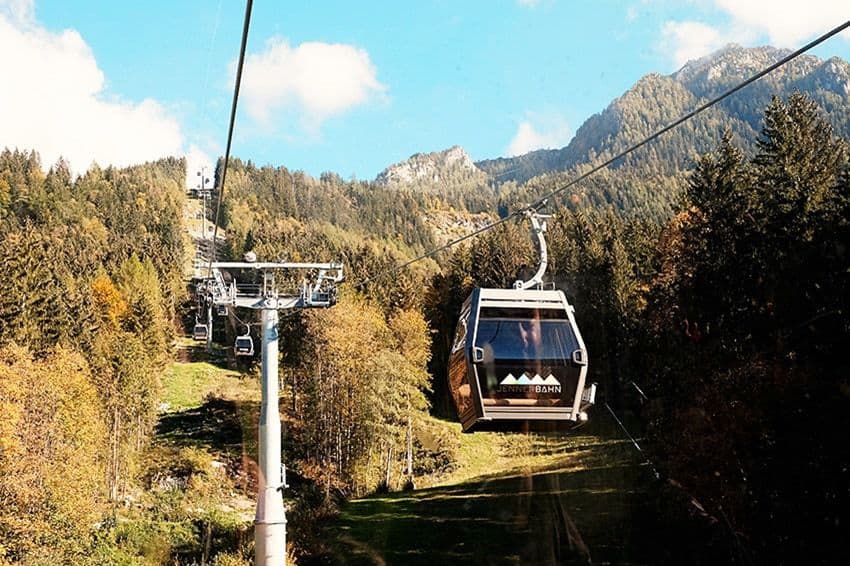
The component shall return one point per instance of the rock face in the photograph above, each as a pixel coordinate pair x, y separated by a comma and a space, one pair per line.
442, 167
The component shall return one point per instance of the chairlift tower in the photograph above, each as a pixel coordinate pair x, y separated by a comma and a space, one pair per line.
318, 290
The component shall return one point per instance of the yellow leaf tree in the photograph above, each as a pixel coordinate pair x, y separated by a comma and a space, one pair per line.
51, 465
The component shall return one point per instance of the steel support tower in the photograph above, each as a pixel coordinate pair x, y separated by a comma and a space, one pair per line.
317, 290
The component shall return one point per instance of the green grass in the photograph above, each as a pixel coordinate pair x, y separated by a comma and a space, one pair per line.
186, 385
529, 499
488, 454
533, 500
477, 454
209, 407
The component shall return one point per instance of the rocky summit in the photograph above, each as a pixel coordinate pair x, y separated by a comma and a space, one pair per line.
446, 166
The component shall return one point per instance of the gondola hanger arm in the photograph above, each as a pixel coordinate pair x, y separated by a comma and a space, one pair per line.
538, 228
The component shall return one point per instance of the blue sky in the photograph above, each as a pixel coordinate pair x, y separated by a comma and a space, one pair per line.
352, 87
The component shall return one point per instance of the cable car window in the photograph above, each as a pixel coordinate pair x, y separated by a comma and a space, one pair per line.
539, 313
526, 334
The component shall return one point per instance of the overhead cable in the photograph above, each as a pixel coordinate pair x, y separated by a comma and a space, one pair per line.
239, 66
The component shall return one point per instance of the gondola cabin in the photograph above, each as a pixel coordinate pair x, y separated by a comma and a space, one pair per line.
200, 332
518, 357
244, 346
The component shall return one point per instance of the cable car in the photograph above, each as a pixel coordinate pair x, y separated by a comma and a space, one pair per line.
200, 332
221, 310
244, 345
518, 356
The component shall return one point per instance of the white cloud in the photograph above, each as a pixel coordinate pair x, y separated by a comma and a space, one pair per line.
319, 79
781, 23
197, 159
528, 3
683, 41
20, 12
787, 23
539, 131
55, 103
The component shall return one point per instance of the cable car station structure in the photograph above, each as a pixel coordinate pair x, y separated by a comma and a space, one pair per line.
221, 289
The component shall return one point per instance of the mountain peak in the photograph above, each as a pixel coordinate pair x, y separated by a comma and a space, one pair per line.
436, 167
732, 62
837, 72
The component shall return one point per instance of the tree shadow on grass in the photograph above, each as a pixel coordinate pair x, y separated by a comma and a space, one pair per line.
198, 353
219, 425
601, 509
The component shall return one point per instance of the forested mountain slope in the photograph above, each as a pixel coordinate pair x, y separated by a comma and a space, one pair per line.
648, 183
656, 100
92, 272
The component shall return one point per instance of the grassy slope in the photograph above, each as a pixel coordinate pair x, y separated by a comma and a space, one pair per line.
520, 499
186, 384
208, 406
514, 499
511, 499
197, 498
488, 453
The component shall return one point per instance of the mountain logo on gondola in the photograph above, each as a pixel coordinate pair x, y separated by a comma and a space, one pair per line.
526, 383
509, 380
524, 379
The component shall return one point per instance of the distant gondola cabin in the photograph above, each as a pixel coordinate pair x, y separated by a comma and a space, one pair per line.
244, 346
200, 332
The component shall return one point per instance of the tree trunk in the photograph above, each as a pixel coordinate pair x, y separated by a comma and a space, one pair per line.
295, 394
409, 448
113, 464
207, 543
389, 466
139, 437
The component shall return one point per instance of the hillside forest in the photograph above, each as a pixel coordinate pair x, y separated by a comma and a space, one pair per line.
719, 286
